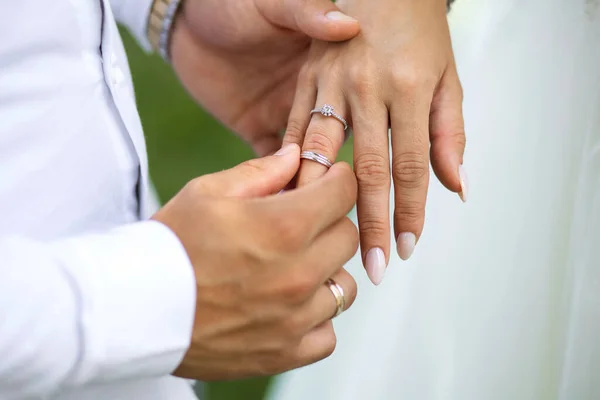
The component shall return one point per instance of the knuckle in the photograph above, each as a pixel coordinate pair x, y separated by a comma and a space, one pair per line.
411, 79
251, 168
410, 213
460, 138
372, 171
298, 286
362, 80
307, 74
410, 170
318, 140
268, 368
198, 186
345, 184
287, 232
373, 227
273, 363
293, 329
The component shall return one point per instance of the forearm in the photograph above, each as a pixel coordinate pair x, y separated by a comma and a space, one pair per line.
92, 309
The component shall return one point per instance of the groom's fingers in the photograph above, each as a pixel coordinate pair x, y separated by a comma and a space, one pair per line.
319, 19
323, 306
253, 178
316, 345
315, 207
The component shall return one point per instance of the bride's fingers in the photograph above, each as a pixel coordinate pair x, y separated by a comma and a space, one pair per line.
320, 342
447, 134
325, 133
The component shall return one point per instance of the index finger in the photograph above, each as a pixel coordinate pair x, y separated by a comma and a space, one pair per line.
319, 204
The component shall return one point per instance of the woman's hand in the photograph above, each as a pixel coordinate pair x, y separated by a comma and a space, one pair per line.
399, 72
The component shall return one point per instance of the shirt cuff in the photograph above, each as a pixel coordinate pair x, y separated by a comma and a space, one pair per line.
134, 15
138, 295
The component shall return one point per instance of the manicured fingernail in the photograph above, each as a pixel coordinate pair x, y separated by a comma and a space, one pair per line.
287, 149
464, 184
338, 16
405, 244
375, 265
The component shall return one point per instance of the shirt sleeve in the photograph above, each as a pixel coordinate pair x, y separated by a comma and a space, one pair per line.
93, 309
134, 15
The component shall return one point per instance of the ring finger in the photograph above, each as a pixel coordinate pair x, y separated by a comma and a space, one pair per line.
324, 304
325, 134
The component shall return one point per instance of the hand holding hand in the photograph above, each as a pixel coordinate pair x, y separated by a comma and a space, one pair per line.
261, 262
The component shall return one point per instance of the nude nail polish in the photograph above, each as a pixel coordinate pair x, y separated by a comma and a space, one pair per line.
375, 265
405, 244
464, 184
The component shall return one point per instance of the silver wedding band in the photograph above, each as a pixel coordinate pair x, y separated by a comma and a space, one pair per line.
316, 157
338, 293
328, 111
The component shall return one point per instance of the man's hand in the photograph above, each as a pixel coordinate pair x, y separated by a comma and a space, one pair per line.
240, 58
261, 262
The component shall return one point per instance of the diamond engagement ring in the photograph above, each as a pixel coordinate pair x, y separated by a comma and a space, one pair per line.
328, 111
316, 157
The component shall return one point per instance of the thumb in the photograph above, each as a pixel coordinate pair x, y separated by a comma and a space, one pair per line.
318, 19
448, 134
267, 144
258, 177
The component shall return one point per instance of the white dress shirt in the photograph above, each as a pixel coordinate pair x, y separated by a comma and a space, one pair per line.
95, 302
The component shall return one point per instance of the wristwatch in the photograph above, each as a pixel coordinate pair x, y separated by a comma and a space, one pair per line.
160, 23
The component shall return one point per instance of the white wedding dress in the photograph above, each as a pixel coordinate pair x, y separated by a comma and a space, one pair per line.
501, 300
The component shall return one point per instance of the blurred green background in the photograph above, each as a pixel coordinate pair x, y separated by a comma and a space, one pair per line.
185, 142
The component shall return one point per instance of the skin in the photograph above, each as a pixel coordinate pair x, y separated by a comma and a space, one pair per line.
262, 304
261, 262
404, 78
249, 61
240, 60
